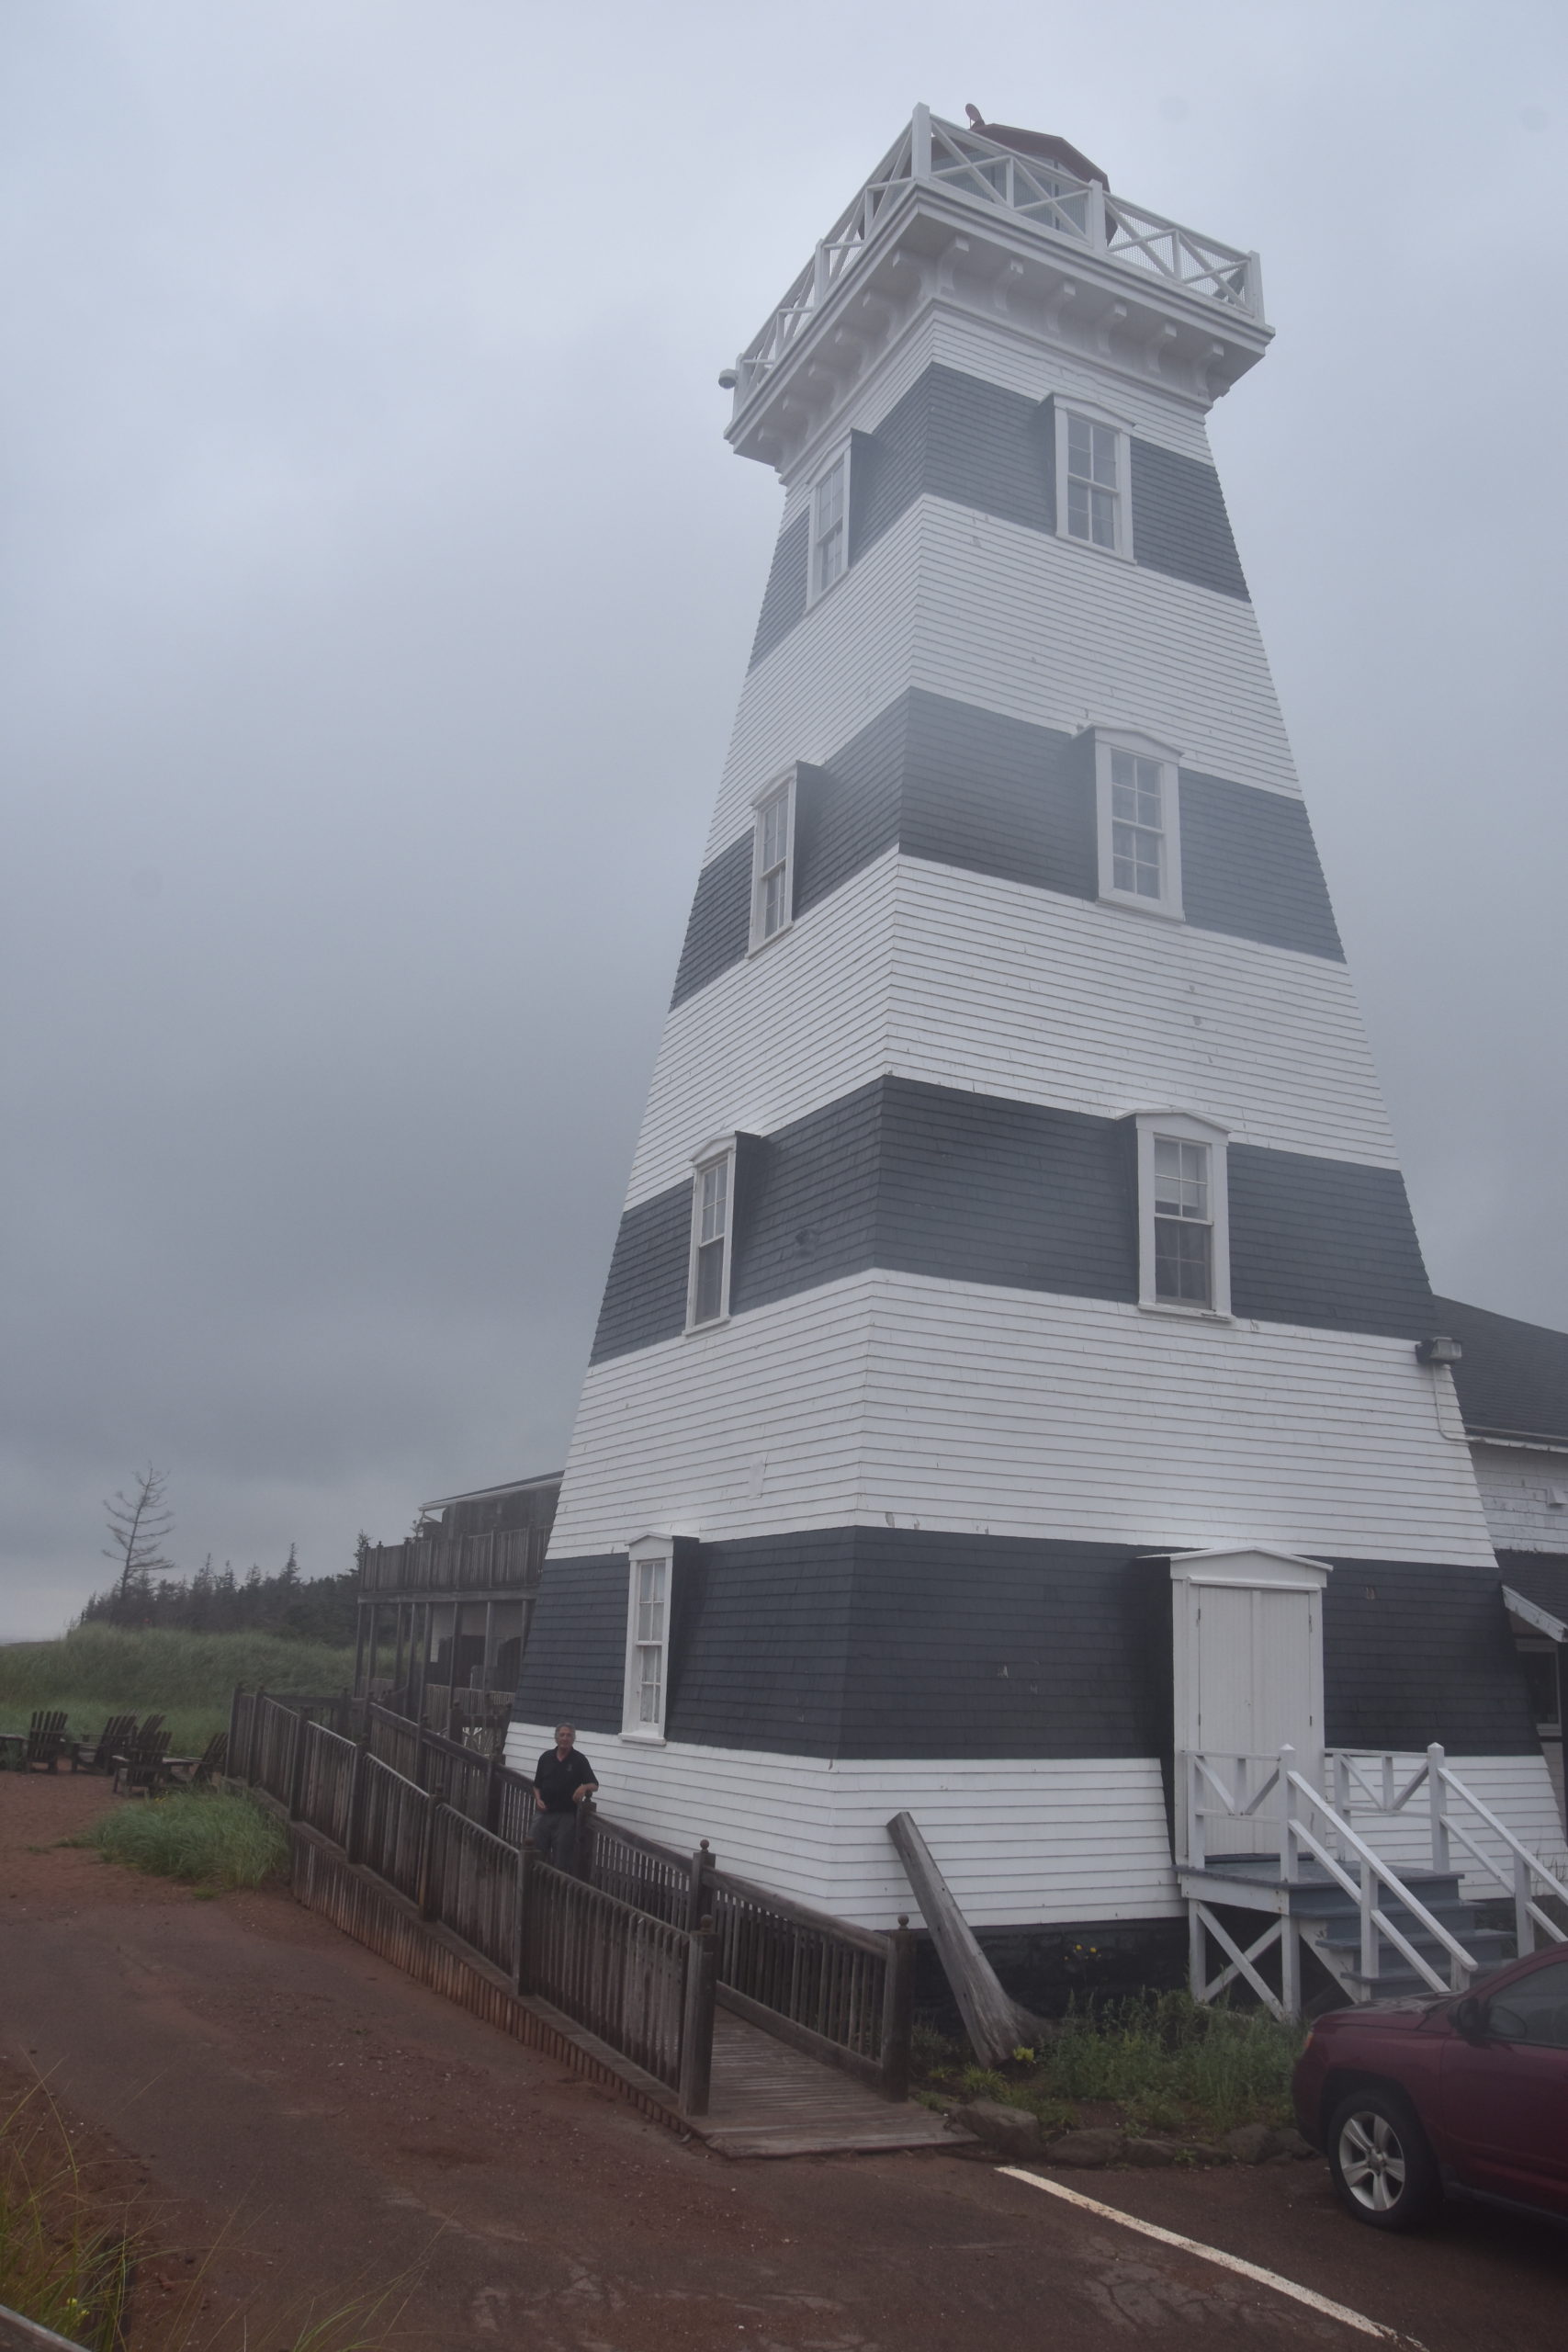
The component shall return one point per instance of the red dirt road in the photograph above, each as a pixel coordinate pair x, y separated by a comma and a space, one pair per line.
335, 2128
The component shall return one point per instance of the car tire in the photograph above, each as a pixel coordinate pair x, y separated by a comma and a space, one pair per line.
1384, 2169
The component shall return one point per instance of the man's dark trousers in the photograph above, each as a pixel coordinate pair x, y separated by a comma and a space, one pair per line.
554, 1834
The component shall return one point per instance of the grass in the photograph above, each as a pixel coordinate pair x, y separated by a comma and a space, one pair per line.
62, 2264
1166, 2061
70, 2257
102, 1670
199, 1836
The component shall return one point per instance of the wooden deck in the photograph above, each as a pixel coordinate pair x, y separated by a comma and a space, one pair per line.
769, 2100
766, 2099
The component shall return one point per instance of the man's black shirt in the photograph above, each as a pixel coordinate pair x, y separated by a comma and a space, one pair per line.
556, 1780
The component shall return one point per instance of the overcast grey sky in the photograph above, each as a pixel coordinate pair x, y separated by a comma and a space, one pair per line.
378, 587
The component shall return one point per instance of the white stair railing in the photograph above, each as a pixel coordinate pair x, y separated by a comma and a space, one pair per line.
1344, 1857
1369, 1782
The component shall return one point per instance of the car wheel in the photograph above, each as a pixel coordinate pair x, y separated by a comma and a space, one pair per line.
1384, 2169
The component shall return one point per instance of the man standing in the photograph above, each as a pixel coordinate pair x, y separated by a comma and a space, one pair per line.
563, 1779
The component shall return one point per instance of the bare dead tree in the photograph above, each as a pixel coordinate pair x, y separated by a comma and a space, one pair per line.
138, 1525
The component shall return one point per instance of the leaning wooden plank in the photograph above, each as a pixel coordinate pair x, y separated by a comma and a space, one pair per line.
994, 2022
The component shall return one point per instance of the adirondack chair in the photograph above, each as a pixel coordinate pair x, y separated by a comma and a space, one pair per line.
98, 1755
141, 1768
45, 1740
200, 1771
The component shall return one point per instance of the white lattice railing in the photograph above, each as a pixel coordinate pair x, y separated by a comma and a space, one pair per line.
946, 154
1495, 1863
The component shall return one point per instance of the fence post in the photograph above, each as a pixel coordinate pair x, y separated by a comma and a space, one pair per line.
354, 1836
1289, 1862
427, 1871
1524, 1926
492, 1794
1435, 1807
703, 1862
232, 1749
252, 1759
898, 2010
696, 2027
582, 1843
527, 1853
297, 1765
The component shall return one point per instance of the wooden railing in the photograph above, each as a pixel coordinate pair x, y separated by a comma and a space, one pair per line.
473, 1887
501, 1559
641, 1984
450, 1831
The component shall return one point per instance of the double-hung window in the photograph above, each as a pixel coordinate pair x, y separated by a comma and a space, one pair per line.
1137, 797
1183, 1220
648, 1638
713, 1206
830, 525
1094, 488
772, 862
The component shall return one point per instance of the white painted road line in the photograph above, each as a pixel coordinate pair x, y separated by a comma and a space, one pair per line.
1347, 2318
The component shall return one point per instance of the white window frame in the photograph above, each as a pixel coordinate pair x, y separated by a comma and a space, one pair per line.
1063, 410
781, 788
649, 1552
814, 588
1168, 759
1185, 1126
719, 1153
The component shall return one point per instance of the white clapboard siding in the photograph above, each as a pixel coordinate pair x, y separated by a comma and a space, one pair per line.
1016, 621
791, 1028
895, 1398
836, 671
963, 980
1517, 1789
1516, 1489
1021, 1843
1050, 631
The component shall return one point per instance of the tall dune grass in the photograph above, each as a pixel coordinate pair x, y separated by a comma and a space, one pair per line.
202, 1835
102, 1670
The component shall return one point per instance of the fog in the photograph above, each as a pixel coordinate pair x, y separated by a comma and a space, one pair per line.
377, 588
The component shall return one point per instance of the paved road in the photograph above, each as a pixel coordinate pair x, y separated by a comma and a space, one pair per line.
332, 2127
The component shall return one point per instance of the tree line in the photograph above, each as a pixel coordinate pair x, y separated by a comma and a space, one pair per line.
317, 1609
150, 1591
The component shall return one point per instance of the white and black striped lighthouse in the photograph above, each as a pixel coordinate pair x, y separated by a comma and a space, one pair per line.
1010, 1371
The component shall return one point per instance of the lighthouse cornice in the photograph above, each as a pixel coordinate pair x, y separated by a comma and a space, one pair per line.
955, 220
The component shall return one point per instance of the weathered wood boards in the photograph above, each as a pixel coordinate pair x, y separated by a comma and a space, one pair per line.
992, 2019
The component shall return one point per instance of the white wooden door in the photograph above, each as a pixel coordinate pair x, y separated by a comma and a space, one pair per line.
1248, 1631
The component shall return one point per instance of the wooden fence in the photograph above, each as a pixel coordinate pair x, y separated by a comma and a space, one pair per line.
450, 1831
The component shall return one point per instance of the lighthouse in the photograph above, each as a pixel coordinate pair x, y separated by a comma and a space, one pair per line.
1016, 1369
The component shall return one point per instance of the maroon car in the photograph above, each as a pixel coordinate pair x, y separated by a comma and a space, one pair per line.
1408, 2099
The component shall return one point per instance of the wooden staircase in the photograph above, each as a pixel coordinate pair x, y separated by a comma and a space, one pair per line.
1322, 1886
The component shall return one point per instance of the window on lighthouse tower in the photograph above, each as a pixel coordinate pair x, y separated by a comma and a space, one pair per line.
713, 1190
1094, 484
1184, 1231
1137, 788
773, 853
830, 525
1183, 1214
1091, 481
